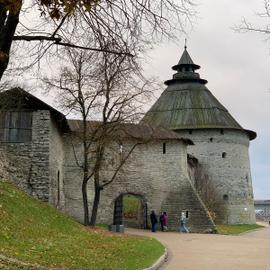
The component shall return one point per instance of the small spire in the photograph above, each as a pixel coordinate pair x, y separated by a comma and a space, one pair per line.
185, 61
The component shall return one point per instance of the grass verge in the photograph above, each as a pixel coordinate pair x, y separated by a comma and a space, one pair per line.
236, 229
35, 233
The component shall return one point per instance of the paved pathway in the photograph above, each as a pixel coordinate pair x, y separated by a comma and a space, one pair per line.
250, 251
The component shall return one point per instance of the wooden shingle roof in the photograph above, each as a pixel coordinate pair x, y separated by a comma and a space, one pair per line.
188, 104
129, 130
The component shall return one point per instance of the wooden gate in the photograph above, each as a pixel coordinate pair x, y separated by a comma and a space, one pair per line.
118, 211
145, 223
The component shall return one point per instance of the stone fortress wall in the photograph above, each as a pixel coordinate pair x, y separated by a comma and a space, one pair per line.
160, 179
56, 159
46, 168
225, 158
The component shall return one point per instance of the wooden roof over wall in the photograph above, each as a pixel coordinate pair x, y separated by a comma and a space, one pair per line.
19, 99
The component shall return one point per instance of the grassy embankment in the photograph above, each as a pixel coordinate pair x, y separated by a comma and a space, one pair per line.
237, 229
34, 233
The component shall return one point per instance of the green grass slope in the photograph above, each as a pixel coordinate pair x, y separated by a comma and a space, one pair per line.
32, 232
237, 229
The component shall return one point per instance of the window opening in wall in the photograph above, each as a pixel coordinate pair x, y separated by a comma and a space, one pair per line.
225, 197
224, 154
15, 126
211, 139
58, 188
164, 148
190, 131
222, 131
187, 214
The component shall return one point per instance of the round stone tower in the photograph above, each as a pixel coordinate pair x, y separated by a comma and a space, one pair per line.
221, 144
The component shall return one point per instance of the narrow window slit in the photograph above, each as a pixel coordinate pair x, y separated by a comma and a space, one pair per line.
164, 148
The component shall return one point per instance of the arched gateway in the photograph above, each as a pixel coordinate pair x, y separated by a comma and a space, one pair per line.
130, 209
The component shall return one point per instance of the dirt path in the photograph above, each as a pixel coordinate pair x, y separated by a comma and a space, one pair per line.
249, 251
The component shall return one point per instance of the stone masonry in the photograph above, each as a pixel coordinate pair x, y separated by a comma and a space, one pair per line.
28, 163
225, 158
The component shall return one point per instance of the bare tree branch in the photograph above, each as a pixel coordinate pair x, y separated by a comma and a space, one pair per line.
57, 41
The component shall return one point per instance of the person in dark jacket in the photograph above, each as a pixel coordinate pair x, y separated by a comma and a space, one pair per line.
154, 221
165, 224
162, 221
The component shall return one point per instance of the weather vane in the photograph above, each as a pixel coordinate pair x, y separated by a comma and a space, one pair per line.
185, 43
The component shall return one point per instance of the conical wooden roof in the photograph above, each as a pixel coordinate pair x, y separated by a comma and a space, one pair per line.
188, 104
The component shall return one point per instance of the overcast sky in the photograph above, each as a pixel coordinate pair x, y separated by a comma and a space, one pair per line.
237, 67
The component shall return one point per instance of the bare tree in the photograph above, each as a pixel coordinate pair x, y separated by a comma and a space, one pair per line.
108, 88
55, 23
247, 26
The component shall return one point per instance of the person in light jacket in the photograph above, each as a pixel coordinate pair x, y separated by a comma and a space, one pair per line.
183, 221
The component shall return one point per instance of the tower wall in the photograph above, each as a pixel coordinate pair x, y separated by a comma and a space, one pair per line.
224, 157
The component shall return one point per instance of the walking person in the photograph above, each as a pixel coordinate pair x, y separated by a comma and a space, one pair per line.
161, 221
165, 224
183, 220
154, 221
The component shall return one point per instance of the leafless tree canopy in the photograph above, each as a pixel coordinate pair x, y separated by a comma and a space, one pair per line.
51, 24
109, 89
263, 28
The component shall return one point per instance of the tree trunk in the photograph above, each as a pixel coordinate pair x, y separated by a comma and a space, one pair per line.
9, 20
85, 202
85, 168
95, 206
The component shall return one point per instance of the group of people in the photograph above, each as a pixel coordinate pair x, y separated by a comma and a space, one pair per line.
163, 221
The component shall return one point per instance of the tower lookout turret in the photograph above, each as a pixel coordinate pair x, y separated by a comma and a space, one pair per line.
221, 143
188, 104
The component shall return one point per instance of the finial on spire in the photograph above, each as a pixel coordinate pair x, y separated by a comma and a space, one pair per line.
185, 43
